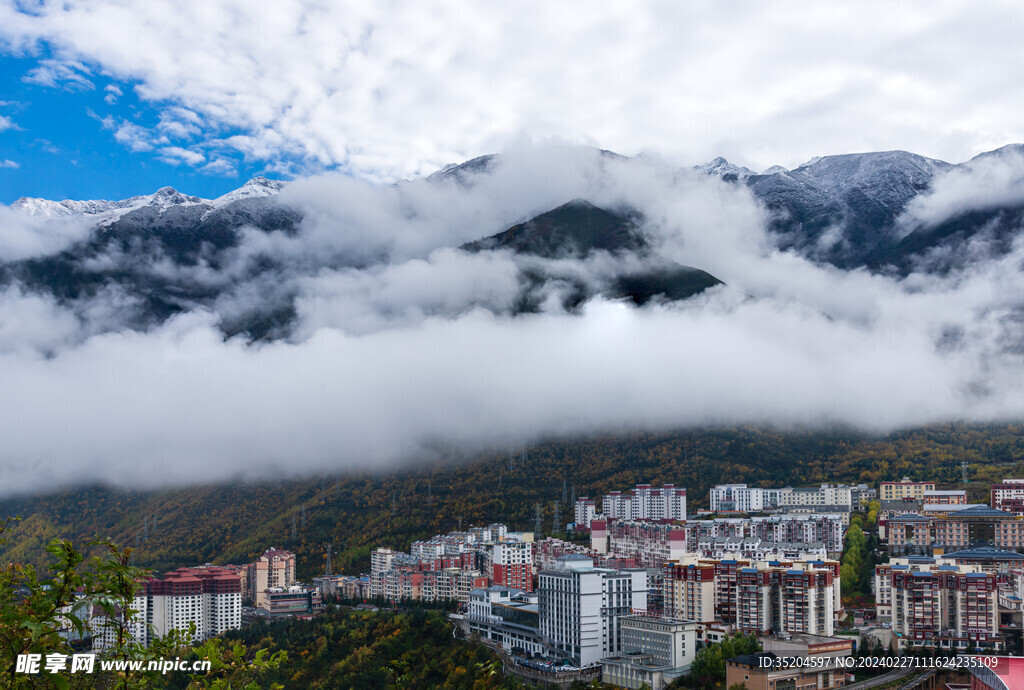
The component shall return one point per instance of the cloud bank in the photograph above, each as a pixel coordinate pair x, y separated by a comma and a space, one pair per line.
405, 347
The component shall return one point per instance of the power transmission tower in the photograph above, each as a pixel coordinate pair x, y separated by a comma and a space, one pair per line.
303, 516
327, 565
574, 493
294, 532
565, 495
537, 530
145, 528
430, 496
557, 519
963, 471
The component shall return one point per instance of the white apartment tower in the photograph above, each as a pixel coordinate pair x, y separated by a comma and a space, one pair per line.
580, 606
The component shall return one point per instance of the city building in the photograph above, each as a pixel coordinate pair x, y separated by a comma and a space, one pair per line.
655, 651
208, 597
937, 606
755, 596
1008, 496
645, 502
295, 600
894, 491
945, 498
689, 591
513, 565
506, 617
825, 528
580, 607
650, 543
274, 568
728, 498
585, 510
954, 530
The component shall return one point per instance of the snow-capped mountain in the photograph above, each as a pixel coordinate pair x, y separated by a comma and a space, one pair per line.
256, 188
724, 169
169, 252
163, 198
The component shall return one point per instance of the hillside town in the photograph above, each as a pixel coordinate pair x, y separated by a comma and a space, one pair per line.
633, 587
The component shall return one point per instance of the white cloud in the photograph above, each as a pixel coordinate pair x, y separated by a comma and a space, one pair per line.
113, 92
70, 75
989, 181
177, 154
405, 345
27, 236
9, 164
6, 123
388, 92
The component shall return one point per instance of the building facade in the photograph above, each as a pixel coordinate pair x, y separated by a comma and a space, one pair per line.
904, 488
580, 607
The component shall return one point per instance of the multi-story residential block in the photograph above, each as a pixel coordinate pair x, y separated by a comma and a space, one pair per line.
650, 543
655, 651
584, 511
426, 585
944, 607
727, 498
274, 568
645, 502
757, 549
689, 591
513, 565
208, 597
817, 497
954, 530
1008, 496
580, 607
778, 599
548, 550
895, 491
825, 528
945, 498
744, 499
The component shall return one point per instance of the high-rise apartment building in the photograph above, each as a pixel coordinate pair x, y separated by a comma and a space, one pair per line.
645, 502
513, 565
580, 607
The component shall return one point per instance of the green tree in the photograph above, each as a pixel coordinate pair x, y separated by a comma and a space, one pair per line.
35, 611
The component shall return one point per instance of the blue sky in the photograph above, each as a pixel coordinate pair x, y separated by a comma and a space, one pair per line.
57, 138
228, 90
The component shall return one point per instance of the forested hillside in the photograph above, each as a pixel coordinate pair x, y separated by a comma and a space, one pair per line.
233, 523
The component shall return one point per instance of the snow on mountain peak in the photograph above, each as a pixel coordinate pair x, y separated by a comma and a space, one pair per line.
723, 168
255, 188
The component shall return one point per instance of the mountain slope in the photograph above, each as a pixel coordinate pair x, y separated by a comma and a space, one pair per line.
840, 208
233, 522
577, 230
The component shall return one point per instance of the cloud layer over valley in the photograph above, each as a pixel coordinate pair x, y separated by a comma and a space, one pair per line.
390, 344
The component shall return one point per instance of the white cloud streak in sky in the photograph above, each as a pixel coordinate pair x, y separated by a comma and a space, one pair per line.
390, 91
